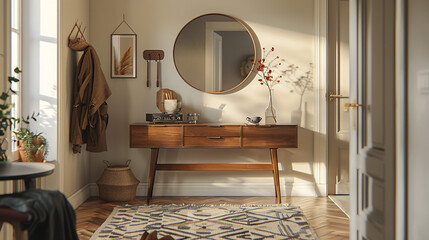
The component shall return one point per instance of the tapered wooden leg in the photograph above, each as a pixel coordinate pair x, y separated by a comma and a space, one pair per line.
275, 162
152, 171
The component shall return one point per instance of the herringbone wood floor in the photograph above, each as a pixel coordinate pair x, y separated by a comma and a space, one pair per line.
324, 216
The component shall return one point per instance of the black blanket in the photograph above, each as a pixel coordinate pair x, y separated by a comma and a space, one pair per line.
51, 215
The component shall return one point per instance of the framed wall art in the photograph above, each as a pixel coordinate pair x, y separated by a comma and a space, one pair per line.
123, 53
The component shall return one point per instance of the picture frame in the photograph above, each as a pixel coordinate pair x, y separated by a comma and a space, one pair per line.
123, 56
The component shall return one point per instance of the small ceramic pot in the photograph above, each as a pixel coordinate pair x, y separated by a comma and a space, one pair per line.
170, 105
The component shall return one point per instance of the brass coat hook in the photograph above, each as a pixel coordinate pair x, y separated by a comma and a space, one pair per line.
79, 32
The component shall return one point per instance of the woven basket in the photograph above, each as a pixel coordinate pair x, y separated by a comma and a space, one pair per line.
117, 183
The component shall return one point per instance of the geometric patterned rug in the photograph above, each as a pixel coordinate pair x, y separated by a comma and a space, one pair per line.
207, 222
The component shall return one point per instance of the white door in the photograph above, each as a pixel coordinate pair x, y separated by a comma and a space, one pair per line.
338, 92
372, 141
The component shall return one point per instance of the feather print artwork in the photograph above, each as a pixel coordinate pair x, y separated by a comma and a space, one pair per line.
126, 63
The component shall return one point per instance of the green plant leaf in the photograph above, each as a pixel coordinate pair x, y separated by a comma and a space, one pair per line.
16, 70
4, 96
34, 116
13, 79
6, 108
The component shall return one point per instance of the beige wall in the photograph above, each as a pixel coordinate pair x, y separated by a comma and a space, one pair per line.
5, 187
74, 168
418, 117
287, 25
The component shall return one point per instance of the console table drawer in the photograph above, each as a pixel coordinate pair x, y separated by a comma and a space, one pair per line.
144, 136
211, 142
270, 137
212, 131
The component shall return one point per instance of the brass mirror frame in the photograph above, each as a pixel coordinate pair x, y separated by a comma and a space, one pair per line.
256, 50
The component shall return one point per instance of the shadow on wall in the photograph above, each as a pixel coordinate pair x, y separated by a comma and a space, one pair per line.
209, 115
299, 165
302, 117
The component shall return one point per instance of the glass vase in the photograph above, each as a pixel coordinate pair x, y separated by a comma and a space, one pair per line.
270, 112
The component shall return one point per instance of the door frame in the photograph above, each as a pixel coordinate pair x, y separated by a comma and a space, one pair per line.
320, 164
320, 148
332, 73
401, 222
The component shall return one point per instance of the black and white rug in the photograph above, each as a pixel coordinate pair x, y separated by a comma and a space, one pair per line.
207, 222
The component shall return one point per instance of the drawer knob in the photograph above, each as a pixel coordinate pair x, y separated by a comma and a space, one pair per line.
214, 137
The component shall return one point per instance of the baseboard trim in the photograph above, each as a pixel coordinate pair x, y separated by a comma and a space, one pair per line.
227, 189
80, 196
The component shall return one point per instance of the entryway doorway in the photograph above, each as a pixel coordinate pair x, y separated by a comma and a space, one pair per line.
338, 94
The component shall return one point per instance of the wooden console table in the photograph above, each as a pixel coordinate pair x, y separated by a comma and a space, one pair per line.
156, 136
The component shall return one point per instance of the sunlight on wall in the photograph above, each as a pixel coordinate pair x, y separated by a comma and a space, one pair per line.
48, 18
302, 167
48, 71
283, 46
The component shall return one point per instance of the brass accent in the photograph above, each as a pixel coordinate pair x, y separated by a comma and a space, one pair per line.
214, 137
332, 96
354, 105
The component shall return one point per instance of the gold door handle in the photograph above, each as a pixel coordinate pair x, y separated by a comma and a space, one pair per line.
354, 105
333, 96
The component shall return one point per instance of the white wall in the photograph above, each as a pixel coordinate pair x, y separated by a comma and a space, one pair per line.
73, 168
287, 25
418, 118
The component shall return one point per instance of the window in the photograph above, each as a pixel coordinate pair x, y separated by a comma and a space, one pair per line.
34, 48
15, 55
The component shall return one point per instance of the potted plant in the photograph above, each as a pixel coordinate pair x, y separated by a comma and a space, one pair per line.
32, 146
7, 121
6, 118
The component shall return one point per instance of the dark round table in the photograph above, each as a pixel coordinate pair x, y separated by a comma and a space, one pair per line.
26, 171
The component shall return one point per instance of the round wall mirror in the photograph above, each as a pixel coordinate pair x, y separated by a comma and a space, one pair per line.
214, 53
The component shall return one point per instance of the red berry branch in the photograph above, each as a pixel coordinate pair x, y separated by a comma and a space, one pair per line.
268, 75
267, 70
299, 81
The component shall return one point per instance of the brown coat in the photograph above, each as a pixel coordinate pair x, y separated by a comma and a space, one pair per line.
89, 111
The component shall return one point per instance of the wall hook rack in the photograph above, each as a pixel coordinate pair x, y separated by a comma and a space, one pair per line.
79, 32
153, 55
